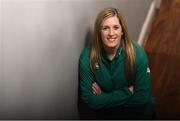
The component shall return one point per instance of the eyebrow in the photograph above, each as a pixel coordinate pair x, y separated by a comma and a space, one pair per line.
113, 25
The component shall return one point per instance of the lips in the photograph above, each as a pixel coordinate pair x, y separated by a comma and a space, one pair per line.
111, 39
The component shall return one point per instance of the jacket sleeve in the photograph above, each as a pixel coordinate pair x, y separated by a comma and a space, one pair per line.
142, 92
104, 100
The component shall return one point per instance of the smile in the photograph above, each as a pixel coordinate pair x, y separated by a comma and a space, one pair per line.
112, 39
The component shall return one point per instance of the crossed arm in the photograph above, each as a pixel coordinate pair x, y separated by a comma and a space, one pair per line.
97, 90
96, 98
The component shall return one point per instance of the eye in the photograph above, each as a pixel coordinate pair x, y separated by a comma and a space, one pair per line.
105, 28
116, 27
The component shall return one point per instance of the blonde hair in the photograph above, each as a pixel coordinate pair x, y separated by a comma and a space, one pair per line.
96, 45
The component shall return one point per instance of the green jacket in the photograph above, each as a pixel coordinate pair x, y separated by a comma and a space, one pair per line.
110, 76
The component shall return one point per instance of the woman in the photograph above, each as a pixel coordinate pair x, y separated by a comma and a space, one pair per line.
114, 73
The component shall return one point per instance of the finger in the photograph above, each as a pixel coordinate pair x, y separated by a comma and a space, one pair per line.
96, 88
131, 88
94, 93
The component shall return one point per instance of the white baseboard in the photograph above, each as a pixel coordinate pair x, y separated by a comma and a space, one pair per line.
147, 24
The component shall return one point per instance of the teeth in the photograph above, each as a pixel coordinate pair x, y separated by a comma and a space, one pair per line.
111, 39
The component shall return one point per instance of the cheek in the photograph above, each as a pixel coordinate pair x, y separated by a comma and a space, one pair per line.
103, 36
119, 34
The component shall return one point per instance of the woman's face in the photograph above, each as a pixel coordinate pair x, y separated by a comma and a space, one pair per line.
111, 32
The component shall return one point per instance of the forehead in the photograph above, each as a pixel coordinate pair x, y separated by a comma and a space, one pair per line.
111, 21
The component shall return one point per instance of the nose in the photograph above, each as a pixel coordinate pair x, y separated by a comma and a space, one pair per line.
111, 32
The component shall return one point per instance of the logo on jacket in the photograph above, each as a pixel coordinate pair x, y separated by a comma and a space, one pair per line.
148, 70
97, 65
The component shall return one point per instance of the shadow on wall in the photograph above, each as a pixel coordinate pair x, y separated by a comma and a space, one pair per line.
84, 112
89, 37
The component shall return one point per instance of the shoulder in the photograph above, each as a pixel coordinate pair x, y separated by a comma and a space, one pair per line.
85, 54
84, 60
141, 56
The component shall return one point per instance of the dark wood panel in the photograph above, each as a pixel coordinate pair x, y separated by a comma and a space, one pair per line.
163, 48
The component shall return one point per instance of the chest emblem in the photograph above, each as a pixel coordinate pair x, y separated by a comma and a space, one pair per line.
148, 70
97, 65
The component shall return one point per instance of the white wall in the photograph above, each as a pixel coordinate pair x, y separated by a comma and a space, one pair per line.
40, 43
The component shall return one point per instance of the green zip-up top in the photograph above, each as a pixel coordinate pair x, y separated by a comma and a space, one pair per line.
110, 76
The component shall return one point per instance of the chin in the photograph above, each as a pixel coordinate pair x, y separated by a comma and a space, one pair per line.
112, 46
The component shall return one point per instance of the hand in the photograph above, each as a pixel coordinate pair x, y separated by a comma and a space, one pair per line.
131, 88
96, 89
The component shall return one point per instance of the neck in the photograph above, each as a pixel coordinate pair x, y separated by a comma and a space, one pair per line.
111, 52
111, 56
